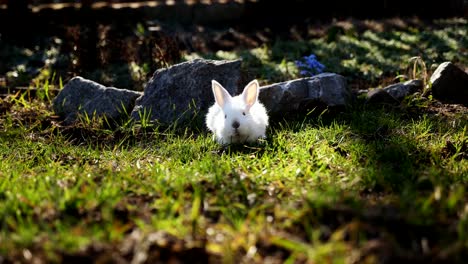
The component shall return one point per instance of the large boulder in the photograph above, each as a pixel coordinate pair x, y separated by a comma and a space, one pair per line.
326, 88
450, 84
82, 96
177, 93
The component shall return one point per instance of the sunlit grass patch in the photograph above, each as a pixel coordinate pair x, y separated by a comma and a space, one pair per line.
318, 188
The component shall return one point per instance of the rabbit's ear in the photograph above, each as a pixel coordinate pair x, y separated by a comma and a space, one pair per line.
220, 94
250, 93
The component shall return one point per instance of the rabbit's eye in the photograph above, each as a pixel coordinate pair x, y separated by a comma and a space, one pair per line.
243, 113
225, 116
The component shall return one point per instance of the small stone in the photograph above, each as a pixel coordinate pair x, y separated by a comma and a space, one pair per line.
380, 96
401, 90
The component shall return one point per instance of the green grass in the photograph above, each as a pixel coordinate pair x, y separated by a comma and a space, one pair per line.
322, 188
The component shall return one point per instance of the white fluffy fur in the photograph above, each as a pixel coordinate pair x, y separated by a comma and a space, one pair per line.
227, 110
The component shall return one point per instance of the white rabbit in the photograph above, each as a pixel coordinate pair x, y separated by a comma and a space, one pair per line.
237, 119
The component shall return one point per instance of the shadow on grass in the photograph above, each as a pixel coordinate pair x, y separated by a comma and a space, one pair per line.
397, 215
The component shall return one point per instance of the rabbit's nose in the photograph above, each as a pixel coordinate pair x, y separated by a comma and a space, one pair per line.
235, 124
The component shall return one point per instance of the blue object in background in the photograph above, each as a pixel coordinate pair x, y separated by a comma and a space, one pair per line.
309, 65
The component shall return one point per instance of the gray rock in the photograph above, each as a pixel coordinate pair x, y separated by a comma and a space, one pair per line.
393, 94
80, 96
325, 88
179, 92
285, 96
450, 84
401, 90
380, 97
